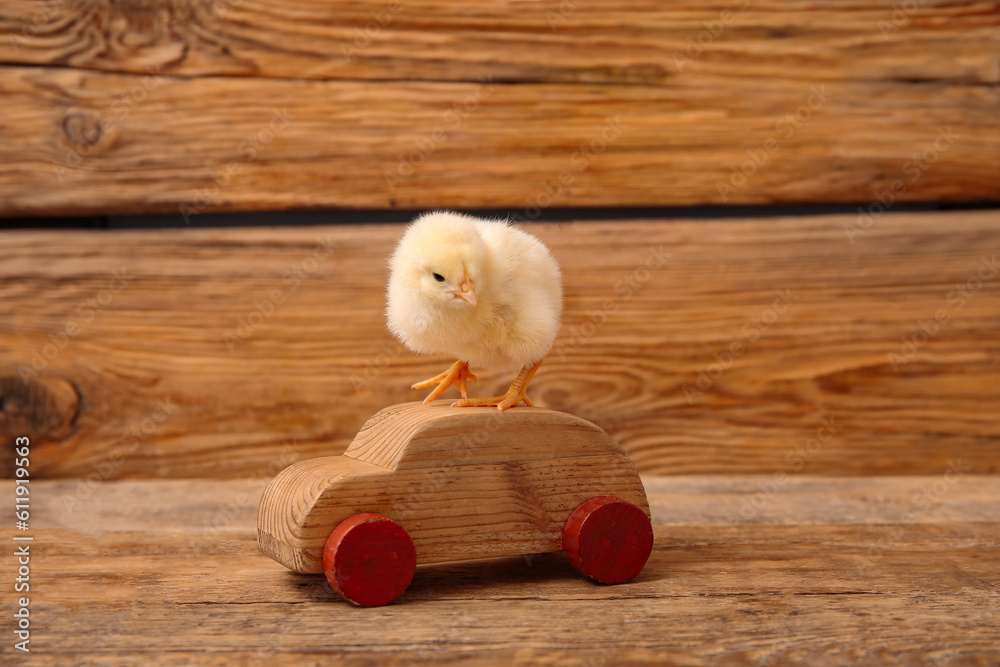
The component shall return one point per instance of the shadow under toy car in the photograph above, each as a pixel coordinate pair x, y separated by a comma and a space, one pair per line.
432, 483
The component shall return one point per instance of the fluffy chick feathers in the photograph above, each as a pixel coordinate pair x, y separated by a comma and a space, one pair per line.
481, 290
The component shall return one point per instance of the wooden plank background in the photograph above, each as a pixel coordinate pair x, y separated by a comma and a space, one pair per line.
824, 344
198, 107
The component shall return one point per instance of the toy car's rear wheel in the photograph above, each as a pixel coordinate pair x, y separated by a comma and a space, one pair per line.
369, 559
608, 539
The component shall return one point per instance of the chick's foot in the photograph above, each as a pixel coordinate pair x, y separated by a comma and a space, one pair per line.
458, 374
517, 393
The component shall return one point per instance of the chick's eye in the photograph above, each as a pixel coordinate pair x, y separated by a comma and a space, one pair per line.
438, 277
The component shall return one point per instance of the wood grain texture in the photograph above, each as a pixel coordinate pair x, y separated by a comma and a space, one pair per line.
416, 435
234, 353
195, 106
145, 573
600, 41
77, 142
464, 483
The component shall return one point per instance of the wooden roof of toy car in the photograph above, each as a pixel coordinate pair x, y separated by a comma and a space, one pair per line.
395, 438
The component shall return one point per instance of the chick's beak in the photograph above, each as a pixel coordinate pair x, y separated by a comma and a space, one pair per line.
468, 291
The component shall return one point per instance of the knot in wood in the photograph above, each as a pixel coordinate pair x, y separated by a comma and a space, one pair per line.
43, 408
84, 131
142, 18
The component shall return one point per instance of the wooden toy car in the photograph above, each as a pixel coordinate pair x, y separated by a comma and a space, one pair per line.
432, 483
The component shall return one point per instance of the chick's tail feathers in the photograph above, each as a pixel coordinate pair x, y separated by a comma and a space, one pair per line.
458, 374
516, 393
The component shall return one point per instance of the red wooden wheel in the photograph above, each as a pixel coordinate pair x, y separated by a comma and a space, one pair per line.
369, 559
608, 539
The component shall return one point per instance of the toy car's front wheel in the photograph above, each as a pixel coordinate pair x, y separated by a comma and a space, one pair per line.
608, 539
369, 559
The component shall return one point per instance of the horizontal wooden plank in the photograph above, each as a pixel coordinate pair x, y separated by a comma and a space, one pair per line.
237, 105
79, 142
146, 572
768, 345
598, 41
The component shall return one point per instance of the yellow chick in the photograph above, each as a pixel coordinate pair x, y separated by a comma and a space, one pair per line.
481, 290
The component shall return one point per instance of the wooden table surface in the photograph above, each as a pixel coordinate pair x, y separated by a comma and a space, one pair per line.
746, 569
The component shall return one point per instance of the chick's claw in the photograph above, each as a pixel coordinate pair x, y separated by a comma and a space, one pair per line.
517, 393
458, 374
508, 400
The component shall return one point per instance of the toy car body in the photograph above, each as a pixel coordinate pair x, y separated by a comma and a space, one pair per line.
463, 483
